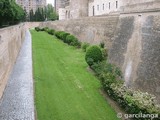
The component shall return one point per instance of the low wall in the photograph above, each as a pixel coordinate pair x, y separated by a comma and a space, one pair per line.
136, 50
90, 29
30, 25
11, 39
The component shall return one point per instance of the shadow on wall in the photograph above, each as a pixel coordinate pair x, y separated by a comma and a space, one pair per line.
136, 51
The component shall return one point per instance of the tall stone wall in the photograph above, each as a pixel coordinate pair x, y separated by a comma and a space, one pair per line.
136, 50
90, 29
11, 39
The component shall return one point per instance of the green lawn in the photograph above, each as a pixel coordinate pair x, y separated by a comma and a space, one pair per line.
64, 89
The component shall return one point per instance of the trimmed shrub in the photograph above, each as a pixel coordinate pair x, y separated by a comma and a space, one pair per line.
85, 46
93, 55
64, 36
71, 39
61, 35
105, 53
58, 34
45, 29
51, 31
37, 29
102, 44
133, 102
76, 43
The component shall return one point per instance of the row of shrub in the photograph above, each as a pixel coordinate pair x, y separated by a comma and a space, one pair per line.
133, 102
68, 38
64, 36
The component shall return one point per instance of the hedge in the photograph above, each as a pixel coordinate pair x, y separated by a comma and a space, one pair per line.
132, 101
93, 55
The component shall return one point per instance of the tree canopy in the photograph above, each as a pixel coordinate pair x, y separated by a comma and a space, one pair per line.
42, 14
10, 12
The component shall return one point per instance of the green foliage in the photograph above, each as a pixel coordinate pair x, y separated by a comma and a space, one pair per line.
104, 53
64, 36
102, 44
71, 86
45, 29
51, 31
85, 46
93, 55
59, 34
50, 13
37, 29
76, 43
10, 13
72, 40
104, 69
42, 14
38, 16
133, 102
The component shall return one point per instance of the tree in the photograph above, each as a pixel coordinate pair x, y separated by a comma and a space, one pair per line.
50, 13
31, 15
10, 12
42, 14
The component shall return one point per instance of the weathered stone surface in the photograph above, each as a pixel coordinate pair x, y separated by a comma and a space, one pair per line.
136, 50
149, 68
122, 35
89, 29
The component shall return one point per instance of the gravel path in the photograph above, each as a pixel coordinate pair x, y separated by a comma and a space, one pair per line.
17, 102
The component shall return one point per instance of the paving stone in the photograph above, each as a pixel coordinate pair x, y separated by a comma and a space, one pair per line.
17, 102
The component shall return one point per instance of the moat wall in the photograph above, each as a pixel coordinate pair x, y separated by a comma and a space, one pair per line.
11, 39
133, 41
90, 29
136, 50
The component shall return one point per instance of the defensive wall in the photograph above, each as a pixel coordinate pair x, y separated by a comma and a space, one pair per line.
136, 50
133, 41
89, 29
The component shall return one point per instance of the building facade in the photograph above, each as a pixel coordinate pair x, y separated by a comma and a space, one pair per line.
72, 9
31, 4
102, 7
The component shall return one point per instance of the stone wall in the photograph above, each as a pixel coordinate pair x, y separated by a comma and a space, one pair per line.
11, 39
136, 50
130, 6
133, 41
90, 29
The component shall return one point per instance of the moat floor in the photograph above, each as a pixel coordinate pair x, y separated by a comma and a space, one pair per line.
17, 102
